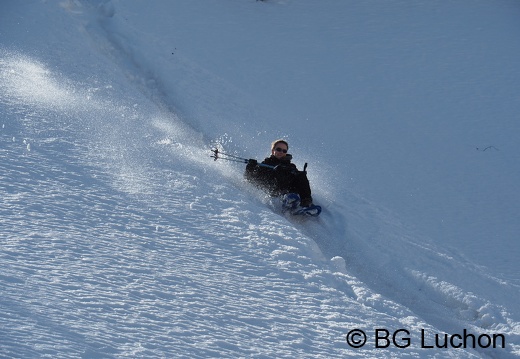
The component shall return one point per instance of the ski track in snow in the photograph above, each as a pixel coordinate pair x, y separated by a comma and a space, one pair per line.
125, 243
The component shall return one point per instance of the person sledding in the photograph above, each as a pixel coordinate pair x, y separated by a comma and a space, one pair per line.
279, 177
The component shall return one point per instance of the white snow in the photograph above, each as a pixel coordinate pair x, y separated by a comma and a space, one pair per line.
121, 238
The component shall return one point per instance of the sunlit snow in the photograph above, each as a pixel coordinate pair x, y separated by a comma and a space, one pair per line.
121, 237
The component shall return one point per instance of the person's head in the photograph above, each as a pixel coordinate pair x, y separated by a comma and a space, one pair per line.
279, 148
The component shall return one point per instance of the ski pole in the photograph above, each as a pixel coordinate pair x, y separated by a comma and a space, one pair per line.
229, 157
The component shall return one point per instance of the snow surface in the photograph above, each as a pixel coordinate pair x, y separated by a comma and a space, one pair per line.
120, 237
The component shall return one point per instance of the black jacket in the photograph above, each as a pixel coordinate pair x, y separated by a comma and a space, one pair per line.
283, 178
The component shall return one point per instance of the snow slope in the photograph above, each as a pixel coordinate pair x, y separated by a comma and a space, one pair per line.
120, 237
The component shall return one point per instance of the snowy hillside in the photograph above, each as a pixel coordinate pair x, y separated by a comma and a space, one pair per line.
121, 237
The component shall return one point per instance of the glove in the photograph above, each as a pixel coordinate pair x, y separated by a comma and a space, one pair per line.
251, 165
